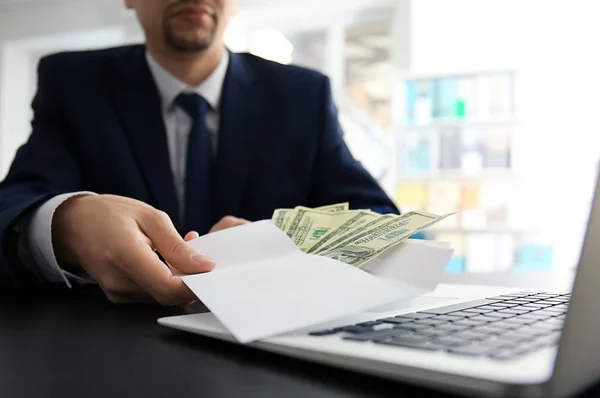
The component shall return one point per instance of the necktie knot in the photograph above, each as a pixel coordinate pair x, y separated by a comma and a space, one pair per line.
193, 104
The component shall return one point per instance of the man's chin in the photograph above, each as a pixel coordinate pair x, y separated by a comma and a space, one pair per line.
189, 44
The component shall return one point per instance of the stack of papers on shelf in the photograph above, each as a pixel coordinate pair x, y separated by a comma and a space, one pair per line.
264, 285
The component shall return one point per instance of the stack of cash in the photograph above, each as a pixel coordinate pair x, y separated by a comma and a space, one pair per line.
354, 237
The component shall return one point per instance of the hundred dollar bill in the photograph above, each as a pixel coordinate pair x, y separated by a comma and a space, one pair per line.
367, 245
334, 208
312, 225
279, 217
282, 216
360, 218
293, 219
352, 232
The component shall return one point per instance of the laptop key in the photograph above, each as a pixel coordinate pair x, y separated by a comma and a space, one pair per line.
545, 296
516, 322
396, 321
457, 307
323, 332
494, 307
375, 335
431, 333
536, 305
450, 341
499, 314
486, 331
532, 316
477, 310
514, 336
409, 338
463, 314
369, 324
546, 302
415, 316
412, 326
532, 299
501, 305
355, 329
545, 327
431, 322
546, 313
451, 328
468, 323
484, 318
502, 324
559, 301
450, 318
515, 311
516, 302
555, 311
468, 335
533, 331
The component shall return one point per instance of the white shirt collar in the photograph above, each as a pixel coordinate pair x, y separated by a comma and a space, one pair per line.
170, 87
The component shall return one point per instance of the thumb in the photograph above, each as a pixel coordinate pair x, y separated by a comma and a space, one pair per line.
175, 250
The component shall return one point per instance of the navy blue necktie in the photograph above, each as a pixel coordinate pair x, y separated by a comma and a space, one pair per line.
200, 165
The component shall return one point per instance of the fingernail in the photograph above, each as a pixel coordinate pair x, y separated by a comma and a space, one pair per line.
200, 259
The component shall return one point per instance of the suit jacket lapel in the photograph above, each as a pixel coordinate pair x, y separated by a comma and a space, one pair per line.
240, 115
139, 108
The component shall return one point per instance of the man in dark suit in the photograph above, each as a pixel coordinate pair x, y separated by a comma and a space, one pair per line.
134, 147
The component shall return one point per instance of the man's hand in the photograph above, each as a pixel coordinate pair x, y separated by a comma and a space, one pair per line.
228, 222
114, 240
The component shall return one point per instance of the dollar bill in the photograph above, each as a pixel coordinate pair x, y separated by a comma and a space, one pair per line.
279, 217
313, 225
341, 238
335, 207
295, 217
371, 243
360, 218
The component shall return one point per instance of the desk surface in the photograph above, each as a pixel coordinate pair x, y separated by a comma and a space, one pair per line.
77, 344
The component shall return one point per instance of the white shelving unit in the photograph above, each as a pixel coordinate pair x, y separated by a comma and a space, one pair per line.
455, 153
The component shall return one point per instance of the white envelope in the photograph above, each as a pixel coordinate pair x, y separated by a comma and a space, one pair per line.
263, 285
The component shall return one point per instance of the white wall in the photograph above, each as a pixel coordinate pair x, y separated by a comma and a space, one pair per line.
16, 91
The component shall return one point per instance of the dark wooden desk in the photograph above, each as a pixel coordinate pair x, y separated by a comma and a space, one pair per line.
77, 344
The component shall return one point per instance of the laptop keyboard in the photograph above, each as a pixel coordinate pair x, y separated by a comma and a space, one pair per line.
501, 328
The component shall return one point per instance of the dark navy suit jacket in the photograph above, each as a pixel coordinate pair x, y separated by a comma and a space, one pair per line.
98, 127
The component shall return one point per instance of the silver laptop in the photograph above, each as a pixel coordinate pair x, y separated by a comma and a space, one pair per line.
474, 340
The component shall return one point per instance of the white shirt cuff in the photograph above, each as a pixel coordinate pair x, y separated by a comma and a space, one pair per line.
40, 241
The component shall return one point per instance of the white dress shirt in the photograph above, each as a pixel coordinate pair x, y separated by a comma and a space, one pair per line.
177, 125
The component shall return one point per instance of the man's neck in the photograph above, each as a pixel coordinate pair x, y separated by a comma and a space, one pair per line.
191, 68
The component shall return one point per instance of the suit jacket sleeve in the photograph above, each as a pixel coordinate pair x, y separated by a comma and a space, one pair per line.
45, 166
338, 177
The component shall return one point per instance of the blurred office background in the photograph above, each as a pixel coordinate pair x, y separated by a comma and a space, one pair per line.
484, 107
